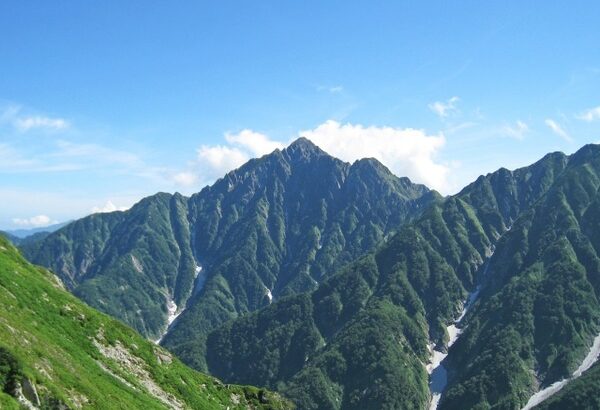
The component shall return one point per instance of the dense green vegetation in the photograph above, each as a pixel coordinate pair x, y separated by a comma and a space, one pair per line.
539, 311
363, 333
366, 270
56, 352
127, 264
279, 224
536, 316
276, 226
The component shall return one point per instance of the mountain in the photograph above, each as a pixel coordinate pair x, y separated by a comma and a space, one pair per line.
58, 353
24, 233
345, 287
272, 228
502, 278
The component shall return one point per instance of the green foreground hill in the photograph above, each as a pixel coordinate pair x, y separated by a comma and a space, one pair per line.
57, 352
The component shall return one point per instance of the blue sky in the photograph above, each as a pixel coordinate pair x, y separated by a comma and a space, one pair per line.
106, 103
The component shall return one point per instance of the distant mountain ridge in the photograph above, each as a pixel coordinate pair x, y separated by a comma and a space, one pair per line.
274, 227
24, 233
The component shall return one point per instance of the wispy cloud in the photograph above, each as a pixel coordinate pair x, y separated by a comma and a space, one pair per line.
516, 131
590, 115
25, 124
333, 89
185, 178
13, 116
34, 221
453, 129
100, 154
444, 109
558, 130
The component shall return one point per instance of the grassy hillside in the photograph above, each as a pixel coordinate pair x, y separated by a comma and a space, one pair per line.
56, 352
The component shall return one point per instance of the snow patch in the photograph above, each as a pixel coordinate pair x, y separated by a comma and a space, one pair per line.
587, 362
172, 316
200, 279
269, 295
438, 375
172, 308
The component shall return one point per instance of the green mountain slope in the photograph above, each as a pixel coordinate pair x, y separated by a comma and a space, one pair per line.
56, 352
274, 227
361, 339
337, 284
127, 264
278, 225
539, 311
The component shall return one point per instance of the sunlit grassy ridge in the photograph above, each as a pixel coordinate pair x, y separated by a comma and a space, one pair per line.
78, 357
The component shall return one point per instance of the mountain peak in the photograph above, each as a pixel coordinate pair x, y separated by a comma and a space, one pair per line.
303, 148
303, 142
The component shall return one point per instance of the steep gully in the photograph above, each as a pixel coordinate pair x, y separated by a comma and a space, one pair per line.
438, 375
174, 311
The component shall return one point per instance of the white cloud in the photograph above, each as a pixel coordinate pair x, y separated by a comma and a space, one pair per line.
254, 142
185, 178
558, 130
220, 158
444, 109
406, 152
214, 161
34, 222
27, 123
11, 159
108, 207
590, 115
23, 123
516, 131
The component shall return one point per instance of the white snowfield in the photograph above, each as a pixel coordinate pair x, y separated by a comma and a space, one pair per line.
549, 391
